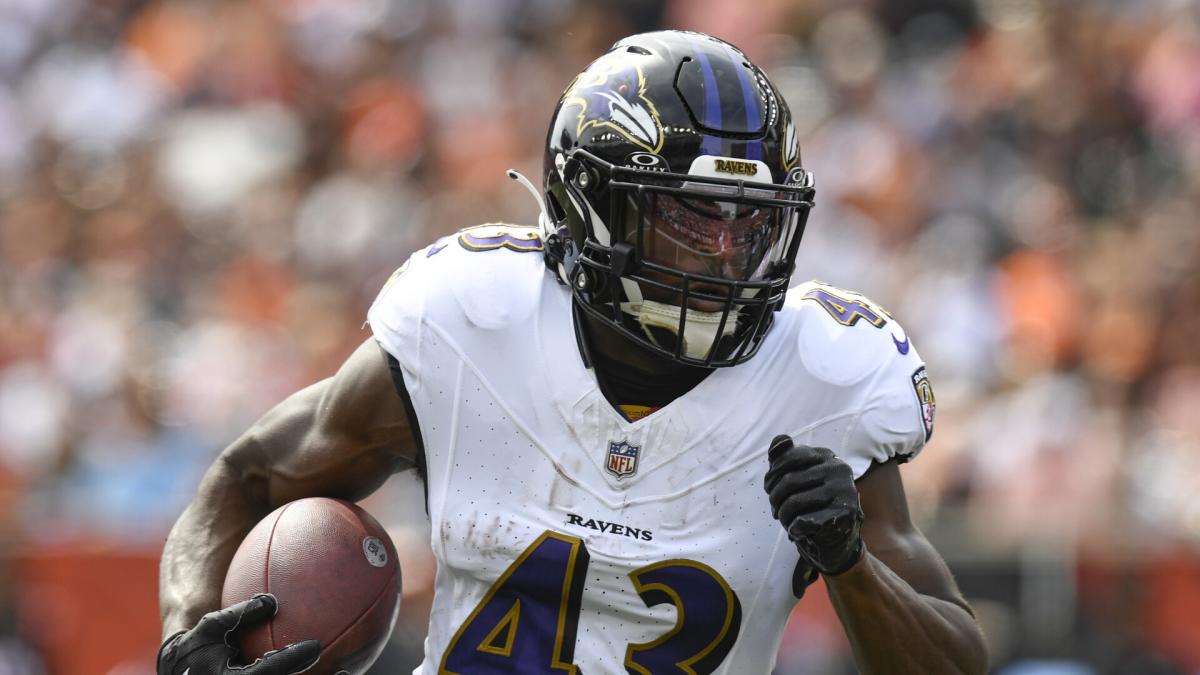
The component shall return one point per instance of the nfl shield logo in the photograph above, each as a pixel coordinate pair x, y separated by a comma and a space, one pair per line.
622, 458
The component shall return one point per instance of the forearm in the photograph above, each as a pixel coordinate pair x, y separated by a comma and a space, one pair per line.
895, 630
203, 541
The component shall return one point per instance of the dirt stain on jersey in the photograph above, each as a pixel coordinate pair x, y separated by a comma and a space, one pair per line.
563, 484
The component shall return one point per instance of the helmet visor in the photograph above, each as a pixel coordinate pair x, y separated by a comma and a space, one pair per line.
709, 236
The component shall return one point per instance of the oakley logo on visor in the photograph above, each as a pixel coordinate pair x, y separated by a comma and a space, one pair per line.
647, 161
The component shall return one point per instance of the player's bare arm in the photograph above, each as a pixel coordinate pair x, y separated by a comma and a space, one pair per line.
341, 437
894, 595
899, 604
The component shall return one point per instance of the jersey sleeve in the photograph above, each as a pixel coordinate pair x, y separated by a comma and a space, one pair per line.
396, 316
897, 419
886, 405
455, 298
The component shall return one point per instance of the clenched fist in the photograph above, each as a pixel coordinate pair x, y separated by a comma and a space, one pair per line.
813, 496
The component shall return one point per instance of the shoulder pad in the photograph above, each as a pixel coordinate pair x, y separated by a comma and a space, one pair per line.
480, 279
499, 272
488, 275
844, 339
842, 336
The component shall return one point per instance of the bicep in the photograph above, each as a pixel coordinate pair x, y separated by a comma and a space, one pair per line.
341, 437
892, 538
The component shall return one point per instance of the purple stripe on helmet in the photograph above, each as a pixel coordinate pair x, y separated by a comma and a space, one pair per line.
711, 145
754, 118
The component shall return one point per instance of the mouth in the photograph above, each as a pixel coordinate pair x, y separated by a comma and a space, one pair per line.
712, 297
703, 304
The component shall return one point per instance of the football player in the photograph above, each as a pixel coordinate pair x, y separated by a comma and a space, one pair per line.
639, 446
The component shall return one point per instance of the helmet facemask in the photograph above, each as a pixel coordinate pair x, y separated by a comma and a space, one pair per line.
690, 266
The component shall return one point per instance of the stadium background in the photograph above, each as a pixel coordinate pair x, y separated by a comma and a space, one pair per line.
200, 198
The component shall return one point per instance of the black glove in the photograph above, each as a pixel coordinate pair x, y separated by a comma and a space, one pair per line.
208, 649
813, 496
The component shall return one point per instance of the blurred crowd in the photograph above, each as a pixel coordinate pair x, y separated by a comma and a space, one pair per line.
200, 198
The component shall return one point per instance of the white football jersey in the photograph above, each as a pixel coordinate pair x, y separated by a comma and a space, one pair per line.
570, 540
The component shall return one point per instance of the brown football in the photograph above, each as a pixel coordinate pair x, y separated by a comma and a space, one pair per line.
333, 569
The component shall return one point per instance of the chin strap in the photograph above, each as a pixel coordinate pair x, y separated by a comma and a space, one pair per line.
699, 331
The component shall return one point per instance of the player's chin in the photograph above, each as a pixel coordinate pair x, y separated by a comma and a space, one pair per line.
708, 306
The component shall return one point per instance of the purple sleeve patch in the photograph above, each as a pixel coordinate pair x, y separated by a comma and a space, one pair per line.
492, 237
845, 311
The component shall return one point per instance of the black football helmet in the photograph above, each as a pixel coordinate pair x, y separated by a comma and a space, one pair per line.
674, 200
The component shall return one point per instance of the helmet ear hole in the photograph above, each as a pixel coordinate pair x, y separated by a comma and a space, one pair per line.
557, 212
